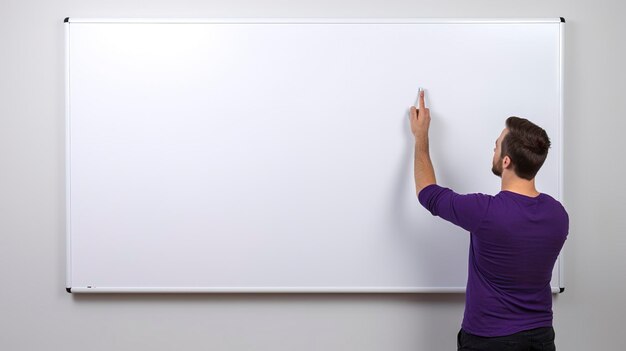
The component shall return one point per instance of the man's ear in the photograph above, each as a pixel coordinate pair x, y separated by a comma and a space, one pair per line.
506, 162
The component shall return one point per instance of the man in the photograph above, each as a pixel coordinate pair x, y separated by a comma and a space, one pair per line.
515, 238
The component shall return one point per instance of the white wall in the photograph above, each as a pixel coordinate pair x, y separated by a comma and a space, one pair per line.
36, 312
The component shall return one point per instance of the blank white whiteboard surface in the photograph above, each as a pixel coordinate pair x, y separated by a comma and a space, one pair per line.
275, 155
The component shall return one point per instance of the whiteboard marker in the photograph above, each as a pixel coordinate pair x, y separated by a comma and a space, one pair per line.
419, 92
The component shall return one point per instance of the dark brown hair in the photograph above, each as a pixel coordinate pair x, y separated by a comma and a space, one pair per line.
527, 146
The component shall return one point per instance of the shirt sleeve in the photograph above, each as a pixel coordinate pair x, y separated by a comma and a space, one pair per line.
465, 210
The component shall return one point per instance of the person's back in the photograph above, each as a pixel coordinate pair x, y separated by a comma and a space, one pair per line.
515, 238
515, 241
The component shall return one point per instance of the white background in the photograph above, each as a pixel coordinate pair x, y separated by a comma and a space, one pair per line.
37, 313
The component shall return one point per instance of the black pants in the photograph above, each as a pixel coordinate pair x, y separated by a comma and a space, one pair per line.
539, 339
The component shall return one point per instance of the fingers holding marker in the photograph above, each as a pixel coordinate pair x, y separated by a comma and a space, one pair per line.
421, 113
419, 117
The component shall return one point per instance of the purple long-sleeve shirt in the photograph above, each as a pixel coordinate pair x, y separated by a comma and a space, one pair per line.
514, 243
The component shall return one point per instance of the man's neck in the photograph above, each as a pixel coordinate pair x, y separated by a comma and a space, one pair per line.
513, 183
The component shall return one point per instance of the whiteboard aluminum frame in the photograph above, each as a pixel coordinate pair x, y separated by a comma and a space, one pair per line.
94, 289
314, 20
561, 136
287, 290
68, 237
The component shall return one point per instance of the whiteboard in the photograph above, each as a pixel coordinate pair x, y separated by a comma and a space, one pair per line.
275, 155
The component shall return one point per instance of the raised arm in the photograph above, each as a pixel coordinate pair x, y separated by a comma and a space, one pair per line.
423, 167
